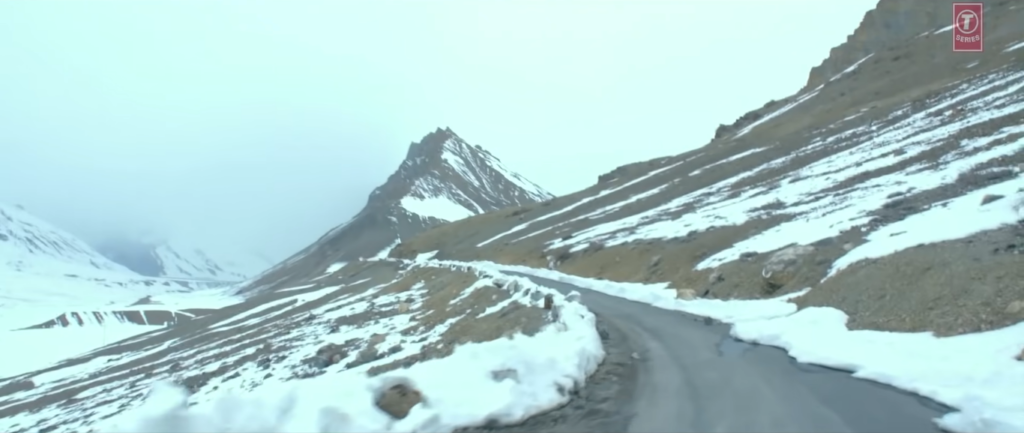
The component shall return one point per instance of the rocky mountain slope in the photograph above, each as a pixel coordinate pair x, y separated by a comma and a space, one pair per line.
442, 179
891, 186
163, 258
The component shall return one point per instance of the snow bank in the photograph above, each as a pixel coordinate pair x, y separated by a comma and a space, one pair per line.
975, 373
458, 390
659, 295
436, 207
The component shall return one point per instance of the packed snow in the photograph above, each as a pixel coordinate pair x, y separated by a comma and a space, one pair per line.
476, 166
344, 402
920, 228
436, 207
49, 346
974, 373
383, 254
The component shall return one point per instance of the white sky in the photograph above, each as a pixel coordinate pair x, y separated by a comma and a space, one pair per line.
266, 124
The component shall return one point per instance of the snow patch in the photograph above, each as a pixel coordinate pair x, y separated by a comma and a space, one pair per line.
436, 207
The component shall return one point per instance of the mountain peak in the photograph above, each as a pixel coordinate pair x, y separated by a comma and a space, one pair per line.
443, 178
430, 144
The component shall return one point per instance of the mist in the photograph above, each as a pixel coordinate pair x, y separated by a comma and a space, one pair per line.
264, 124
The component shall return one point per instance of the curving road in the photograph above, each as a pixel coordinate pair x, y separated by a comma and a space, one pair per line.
692, 377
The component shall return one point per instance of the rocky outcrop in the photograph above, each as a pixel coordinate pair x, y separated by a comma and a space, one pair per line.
891, 22
397, 400
745, 120
783, 266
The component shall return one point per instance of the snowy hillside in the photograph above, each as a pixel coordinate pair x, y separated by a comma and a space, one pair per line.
45, 271
442, 179
183, 260
29, 244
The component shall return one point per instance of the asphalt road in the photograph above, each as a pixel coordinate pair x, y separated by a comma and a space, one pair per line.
691, 376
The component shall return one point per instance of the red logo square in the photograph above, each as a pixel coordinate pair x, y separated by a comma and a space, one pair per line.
968, 27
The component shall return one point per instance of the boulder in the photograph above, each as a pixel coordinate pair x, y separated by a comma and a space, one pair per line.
716, 277
549, 302
783, 266
989, 198
655, 261
507, 373
398, 400
686, 294
1014, 308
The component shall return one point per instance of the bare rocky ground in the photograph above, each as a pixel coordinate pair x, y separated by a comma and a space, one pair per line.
367, 316
906, 109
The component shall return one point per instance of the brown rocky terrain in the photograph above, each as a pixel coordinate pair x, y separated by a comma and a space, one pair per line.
910, 106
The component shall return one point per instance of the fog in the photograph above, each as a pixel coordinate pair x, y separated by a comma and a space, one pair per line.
263, 125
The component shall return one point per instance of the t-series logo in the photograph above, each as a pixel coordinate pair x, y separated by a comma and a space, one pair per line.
968, 27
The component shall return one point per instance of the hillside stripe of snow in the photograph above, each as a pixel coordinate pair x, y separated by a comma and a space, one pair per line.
851, 68
778, 112
436, 207
933, 225
974, 373
820, 216
580, 203
729, 159
383, 254
1013, 47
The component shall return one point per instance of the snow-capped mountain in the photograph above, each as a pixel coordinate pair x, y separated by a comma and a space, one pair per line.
30, 244
175, 259
46, 269
442, 179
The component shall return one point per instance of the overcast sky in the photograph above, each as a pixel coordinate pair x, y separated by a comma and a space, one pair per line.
265, 124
